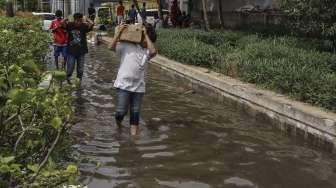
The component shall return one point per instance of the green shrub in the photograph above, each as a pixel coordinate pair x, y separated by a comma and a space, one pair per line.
31, 118
285, 64
313, 18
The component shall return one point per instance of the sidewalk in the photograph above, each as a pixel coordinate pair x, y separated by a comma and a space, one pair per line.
302, 117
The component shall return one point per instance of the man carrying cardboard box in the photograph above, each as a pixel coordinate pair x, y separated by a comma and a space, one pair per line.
130, 83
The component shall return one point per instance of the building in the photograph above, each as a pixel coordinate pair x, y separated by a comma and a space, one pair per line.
70, 7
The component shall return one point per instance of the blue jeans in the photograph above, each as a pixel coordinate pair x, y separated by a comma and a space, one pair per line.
125, 100
72, 60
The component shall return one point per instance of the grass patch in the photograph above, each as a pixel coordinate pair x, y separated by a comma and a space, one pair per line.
288, 65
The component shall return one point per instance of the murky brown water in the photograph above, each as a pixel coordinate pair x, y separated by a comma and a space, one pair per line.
186, 141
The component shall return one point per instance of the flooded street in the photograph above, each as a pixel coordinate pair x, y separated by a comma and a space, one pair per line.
185, 140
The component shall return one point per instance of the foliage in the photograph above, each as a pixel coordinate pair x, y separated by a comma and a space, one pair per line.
286, 64
312, 17
34, 121
2, 4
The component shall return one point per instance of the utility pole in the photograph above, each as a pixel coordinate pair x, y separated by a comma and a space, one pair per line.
205, 15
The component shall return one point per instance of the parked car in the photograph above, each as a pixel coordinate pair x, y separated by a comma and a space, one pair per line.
150, 15
46, 19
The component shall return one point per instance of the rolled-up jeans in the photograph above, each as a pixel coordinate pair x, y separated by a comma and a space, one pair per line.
127, 99
72, 60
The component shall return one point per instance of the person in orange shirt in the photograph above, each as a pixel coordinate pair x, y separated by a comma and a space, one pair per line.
120, 12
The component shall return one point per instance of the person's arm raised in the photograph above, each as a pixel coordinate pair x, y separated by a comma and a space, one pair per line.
89, 23
64, 23
113, 44
150, 45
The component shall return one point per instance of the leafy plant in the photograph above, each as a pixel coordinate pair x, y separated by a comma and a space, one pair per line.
2, 4
288, 65
312, 18
34, 121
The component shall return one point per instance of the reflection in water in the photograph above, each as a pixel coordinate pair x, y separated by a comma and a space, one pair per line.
177, 184
185, 140
240, 182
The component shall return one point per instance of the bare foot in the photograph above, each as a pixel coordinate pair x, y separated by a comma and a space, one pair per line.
134, 130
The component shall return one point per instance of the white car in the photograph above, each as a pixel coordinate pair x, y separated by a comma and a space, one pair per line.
150, 15
46, 19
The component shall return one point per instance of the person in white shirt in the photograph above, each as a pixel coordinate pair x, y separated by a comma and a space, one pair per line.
130, 83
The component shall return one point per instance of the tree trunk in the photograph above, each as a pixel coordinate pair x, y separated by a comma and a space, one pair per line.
220, 13
9, 8
205, 15
159, 2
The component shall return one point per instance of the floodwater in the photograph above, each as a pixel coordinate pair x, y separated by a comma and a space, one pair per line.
185, 140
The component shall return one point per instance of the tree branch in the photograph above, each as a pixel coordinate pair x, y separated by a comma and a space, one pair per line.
21, 135
32, 179
14, 116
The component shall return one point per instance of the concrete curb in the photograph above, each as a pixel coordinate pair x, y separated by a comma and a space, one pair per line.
305, 118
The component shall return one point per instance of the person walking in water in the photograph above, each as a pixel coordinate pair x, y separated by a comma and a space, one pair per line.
143, 12
77, 45
130, 83
60, 39
132, 15
120, 12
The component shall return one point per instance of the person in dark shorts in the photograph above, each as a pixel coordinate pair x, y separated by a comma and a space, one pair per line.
60, 39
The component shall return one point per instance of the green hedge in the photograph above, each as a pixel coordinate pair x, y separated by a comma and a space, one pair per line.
285, 64
31, 118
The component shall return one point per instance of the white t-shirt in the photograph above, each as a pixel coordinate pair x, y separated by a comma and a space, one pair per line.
131, 74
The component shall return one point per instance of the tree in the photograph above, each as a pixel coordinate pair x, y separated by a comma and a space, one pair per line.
9, 8
159, 2
205, 15
220, 15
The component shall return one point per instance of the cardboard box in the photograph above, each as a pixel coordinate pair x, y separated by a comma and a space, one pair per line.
132, 33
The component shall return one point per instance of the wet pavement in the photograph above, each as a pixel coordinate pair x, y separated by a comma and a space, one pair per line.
185, 140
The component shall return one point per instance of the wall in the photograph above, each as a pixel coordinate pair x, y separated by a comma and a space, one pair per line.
233, 19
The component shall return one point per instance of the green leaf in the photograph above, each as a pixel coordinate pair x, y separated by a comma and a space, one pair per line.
51, 164
33, 167
30, 66
7, 160
3, 83
18, 96
15, 168
56, 123
4, 168
59, 75
71, 169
